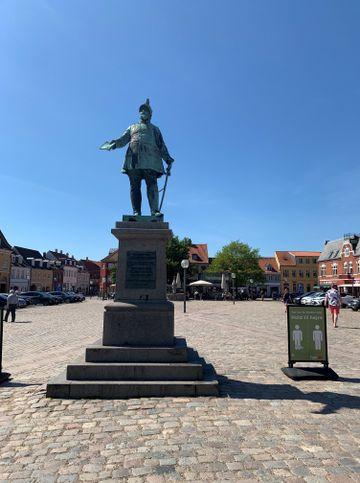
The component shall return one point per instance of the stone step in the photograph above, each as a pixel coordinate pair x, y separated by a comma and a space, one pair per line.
60, 387
134, 371
101, 353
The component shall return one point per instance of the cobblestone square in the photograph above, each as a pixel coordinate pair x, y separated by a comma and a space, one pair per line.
264, 426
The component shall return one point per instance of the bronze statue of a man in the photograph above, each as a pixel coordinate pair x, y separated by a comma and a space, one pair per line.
143, 159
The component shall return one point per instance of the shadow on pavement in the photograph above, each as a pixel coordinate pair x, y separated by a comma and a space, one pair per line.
20, 384
331, 401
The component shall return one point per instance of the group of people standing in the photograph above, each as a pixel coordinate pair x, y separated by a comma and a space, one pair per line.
332, 302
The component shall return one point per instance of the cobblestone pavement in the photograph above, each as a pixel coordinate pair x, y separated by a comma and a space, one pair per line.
263, 427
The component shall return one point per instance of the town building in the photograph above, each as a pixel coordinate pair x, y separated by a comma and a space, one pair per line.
68, 265
20, 275
108, 264
199, 260
41, 275
339, 263
94, 270
298, 270
272, 276
83, 280
5, 264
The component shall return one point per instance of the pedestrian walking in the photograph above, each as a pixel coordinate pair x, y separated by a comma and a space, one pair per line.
287, 298
11, 305
333, 301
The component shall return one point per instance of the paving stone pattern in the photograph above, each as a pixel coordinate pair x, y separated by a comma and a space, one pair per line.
263, 427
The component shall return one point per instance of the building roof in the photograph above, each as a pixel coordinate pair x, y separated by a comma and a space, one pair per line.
198, 253
90, 265
112, 257
4, 244
268, 264
285, 258
28, 253
305, 254
331, 250
60, 255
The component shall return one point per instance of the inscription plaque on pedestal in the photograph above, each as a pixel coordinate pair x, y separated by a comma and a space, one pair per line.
140, 270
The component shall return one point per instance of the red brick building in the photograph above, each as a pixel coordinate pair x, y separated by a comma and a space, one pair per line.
106, 267
339, 263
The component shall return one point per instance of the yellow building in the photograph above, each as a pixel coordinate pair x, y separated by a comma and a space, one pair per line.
5, 264
298, 270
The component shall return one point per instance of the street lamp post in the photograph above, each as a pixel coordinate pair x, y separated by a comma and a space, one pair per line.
185, 265
4, 376
233, 276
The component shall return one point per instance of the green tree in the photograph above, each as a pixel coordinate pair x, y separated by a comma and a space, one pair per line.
241, 259
113, 274
176, 250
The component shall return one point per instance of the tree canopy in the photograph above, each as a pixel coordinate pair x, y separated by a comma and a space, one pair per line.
241, 259
176, 250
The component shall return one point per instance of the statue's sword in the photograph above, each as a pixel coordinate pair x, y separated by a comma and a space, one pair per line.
163, 190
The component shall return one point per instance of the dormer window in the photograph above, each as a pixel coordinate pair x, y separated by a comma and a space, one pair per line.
347, 252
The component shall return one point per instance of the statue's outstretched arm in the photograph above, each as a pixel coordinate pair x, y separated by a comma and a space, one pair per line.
122, 140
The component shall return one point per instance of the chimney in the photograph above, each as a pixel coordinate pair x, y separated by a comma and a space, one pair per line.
67, 254
56, 250
87, 258
61, 252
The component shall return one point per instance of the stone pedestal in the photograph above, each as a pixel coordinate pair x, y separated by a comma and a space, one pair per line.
138, 355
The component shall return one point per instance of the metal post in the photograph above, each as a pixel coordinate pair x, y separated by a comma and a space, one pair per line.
233, 290
184, 290
4, 376
1, 337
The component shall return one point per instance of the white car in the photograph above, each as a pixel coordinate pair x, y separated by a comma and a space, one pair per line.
314, 299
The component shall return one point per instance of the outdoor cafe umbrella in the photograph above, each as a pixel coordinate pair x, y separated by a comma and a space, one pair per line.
199, 283
178, 280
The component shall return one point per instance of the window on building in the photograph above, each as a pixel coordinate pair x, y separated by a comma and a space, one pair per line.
322, 270
293, 273
315, 274
294, 287
308, 288
286, 273
335, 269
307, 260
300, 260
301, 273
358, 266
347, 252
307, 273
314, 260
345, 267
350, 267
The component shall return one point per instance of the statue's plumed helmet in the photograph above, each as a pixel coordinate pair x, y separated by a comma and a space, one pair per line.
146, 106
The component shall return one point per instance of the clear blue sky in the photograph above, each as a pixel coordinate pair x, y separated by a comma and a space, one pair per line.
258, 103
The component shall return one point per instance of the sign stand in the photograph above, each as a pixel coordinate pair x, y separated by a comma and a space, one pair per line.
307, 342
4, 376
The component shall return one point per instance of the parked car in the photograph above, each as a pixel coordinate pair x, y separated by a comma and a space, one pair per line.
354, 304
3, 301
345, 300
297, 299
316, 298
64, 296
59, 299
79, 297
21, 301
39, 298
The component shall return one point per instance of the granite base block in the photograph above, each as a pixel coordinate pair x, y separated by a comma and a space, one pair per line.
139, 324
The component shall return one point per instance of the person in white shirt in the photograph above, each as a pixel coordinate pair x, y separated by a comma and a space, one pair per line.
11, 305
333, 301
